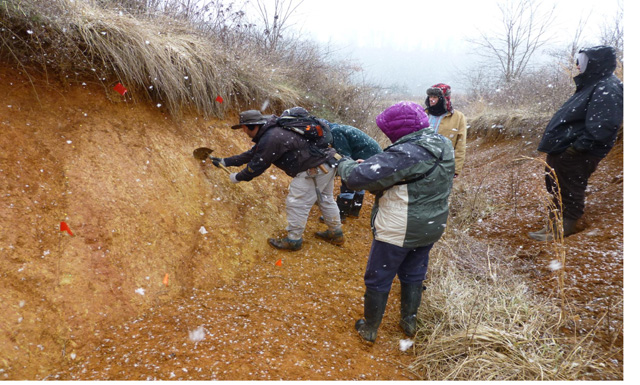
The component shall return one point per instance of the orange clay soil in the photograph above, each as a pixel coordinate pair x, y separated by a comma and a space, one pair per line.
168, 274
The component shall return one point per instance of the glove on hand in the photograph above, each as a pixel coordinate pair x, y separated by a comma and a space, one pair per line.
572, 151
233, 179
217, 161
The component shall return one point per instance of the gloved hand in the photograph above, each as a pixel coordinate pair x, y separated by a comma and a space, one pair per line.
233, 179
217, 161
572, 151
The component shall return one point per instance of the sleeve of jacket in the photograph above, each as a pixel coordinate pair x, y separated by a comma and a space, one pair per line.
604, 116
240, 159
461, 144
258, 159
380, 171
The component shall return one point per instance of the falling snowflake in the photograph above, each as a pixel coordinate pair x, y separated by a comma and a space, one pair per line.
555, 265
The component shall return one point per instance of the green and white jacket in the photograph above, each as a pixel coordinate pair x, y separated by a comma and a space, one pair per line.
410, 209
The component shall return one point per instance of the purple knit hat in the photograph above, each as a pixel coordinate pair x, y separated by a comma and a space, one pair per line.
401, 119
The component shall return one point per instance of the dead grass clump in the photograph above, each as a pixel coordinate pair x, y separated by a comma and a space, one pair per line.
493, 128
161, 59
468, 205
169, 53
479, 321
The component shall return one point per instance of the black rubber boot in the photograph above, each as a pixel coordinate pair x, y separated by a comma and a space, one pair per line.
374, 304
410, 298
344, 205
356, 205
569, 226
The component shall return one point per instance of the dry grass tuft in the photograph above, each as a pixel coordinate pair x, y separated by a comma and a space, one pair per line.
493, 128
169, 61
479, 321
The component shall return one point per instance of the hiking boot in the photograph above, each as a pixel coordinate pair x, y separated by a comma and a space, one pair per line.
542, 232
410, 298
335, 237
374, 304
286, 243
342, 218
549, 233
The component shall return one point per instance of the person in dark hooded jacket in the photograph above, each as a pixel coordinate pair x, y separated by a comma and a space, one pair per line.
578, 136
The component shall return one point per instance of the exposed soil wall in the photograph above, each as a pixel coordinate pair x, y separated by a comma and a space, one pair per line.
123, 178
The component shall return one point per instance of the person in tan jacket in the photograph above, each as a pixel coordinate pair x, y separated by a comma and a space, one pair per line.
447, 122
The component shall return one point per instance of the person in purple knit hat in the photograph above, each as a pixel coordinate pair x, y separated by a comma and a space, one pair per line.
412, 180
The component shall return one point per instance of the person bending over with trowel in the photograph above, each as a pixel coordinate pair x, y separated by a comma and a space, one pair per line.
355, 144
312, 168
412, 180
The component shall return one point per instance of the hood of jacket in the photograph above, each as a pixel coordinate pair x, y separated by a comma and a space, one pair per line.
602, 63
401, 119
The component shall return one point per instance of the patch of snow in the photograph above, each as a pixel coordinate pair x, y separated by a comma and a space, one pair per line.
405, 344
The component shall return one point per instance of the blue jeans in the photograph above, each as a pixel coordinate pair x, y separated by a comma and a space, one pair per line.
387, 260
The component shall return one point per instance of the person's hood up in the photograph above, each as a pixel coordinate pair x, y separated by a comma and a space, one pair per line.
401, 119
602, 62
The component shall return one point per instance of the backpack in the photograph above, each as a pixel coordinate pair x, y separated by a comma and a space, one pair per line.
315, 130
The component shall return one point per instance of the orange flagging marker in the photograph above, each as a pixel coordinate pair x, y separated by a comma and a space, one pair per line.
120, 89
166, 279
279, 263
65, 227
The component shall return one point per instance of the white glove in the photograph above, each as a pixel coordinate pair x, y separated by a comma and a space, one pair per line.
232, 177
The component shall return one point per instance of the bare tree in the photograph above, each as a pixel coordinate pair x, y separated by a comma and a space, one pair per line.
274, 26
524, 29
612, 34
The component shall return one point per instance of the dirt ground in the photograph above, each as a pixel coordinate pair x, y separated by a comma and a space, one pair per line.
592, 291
96, 305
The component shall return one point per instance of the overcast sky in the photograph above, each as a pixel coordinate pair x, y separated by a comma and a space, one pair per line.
418, 42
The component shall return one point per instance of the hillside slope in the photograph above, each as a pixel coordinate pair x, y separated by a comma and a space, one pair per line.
94, 305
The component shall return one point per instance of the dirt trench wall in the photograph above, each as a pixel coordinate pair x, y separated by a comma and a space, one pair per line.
139, 206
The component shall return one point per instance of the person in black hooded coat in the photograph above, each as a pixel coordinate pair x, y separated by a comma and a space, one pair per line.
579, 135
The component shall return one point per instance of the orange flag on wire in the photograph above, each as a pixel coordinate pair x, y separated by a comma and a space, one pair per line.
65, 227
120, 89
166, 279
219, 99
279, 263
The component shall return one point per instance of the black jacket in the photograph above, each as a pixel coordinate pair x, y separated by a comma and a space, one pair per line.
281, 147
590, 119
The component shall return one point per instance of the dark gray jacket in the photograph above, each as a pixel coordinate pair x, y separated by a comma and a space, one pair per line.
281, 147
590, 119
